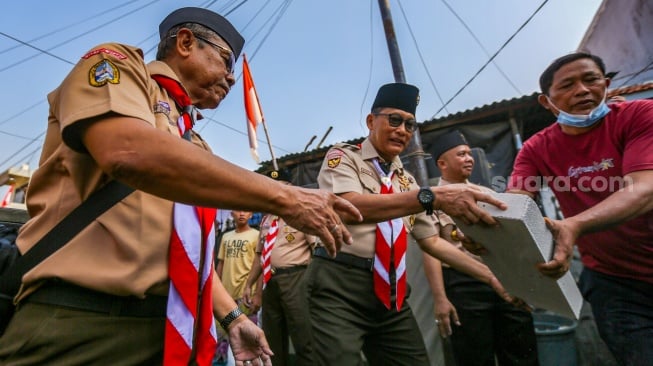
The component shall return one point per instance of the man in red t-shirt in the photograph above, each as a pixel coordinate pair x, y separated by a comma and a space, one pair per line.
598, 162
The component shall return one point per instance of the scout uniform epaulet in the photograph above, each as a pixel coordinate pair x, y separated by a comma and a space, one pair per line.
346, 146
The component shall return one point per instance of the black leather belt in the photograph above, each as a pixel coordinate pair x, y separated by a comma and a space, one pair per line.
76, 297
346, 259
286, 270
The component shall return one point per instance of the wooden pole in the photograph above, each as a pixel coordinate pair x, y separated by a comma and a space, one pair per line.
267, 136
414, 149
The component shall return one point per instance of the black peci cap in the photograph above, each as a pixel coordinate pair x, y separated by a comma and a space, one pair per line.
448, 141
207, 18
397, 95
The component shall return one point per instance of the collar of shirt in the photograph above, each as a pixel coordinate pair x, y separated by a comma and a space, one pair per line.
368, 152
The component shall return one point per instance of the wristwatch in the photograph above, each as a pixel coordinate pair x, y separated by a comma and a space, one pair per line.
426, 197
235, 313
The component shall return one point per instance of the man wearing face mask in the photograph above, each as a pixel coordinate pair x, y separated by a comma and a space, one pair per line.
598, 161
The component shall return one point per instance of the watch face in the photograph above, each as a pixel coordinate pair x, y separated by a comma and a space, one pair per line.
425, 196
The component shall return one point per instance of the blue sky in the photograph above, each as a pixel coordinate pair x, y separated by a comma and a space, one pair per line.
315, 64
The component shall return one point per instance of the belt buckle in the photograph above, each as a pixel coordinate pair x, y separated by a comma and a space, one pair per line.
273, 270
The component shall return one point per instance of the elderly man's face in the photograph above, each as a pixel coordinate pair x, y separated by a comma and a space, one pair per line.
577, 88
205, 67
387, 140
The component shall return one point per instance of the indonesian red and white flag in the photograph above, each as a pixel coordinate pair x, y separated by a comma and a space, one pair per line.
252, 109
7, 199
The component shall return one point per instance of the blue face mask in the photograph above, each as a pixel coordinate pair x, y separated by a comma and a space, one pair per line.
582, 120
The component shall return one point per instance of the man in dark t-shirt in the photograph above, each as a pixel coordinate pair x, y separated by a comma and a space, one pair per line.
598, 161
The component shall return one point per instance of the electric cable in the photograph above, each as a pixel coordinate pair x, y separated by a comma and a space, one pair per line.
71, 63
280, 11
369, 75
68, 40
23, 148
635, 74
478, 41
58, 30
491, 58
419, 53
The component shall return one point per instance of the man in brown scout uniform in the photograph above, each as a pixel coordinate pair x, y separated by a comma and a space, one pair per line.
487, 323
102, 298
356, 300
284, 255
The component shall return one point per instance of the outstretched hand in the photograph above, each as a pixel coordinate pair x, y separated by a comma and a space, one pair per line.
460, 201
565, 234
322, 213
248, 343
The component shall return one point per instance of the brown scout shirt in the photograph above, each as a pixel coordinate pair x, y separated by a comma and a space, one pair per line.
291, 248
446, 226
124, 251
349, 168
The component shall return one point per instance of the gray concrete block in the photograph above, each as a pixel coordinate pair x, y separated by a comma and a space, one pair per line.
514, 248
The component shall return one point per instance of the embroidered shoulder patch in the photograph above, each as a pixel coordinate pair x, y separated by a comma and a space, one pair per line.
162, 107
334, 157
107, 51
102, 73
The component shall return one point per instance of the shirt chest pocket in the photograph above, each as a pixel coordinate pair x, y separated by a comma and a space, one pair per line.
370, 184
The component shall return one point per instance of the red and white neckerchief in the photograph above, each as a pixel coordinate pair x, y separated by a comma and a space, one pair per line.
390, 247
266, 254
190, 324
190, 327
189, 112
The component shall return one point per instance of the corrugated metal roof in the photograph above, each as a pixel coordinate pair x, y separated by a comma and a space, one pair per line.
485, 111
489, 111
631, 89
525, 109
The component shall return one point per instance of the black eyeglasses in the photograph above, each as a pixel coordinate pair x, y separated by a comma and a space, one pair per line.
231, 63
395, 120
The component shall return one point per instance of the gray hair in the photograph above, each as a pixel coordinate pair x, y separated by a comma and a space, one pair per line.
168, 42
